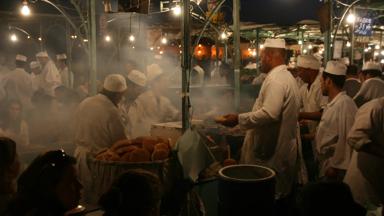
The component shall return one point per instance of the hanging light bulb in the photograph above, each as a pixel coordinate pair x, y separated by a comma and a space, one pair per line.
300, 42
131, 38
305, 51
377, 47
310, 46
108, 38
13, 38
164, 40
261, 46
351, 18
176, 10
223, 36
25, 10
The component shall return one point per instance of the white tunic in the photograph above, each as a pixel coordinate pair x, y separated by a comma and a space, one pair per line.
98, 123
312, 100
147, 110
18, 85
271, 128
51, 78
365, 175
370, 89
331, 137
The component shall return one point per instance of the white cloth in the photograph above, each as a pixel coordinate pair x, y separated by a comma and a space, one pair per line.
18, 85
66, 77
98, 123
51, 78
271, 128
370, 89
365, 174
331, 137
149, 109
312, 100
37, 81
198, 79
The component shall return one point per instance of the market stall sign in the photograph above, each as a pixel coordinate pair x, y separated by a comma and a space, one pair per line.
363, 26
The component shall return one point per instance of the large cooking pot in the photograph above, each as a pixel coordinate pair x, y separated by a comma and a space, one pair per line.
246, 190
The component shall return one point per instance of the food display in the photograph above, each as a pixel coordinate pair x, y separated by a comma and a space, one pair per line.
141, 149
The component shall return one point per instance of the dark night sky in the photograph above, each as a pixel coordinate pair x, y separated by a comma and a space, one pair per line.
261, 11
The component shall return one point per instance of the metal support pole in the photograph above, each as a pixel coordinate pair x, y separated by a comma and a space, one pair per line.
353, 39
257, 47
327, 36
185, 64
92, 46
236, 46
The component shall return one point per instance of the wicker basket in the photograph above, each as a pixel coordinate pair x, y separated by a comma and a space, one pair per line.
105, 172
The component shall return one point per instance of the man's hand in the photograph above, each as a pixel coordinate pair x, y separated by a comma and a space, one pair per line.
229, 120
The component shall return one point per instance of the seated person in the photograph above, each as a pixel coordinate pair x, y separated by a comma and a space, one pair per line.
49, 186
12, 123
136, 192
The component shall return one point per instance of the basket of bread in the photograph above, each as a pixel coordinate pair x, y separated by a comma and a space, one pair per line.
148, 153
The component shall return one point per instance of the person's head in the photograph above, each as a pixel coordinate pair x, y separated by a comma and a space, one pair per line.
352, 70
42, 58
157, 79
9, 165
60, 92
50, 182
273, 54
14, 110
35, 67
20, 61
307, 68
333, 77
370, 70
136, 83
114, 87
136, 192
327, 198
61, 61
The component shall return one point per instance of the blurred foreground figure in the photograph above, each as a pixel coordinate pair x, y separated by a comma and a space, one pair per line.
372, 86
9, 170
98, 124
136, 192
48, 187
365, 174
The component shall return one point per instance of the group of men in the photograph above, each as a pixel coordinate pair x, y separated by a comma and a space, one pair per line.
345, 132
44, 75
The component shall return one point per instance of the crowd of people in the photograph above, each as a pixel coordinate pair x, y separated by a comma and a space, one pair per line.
322, 125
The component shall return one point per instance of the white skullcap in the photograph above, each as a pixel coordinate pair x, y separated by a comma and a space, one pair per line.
42, 54
138, 78
115, 83
274, 43
34, 64
21, 58
61, 56
370, 65
308, 61
345, 60
153, 71
336, 68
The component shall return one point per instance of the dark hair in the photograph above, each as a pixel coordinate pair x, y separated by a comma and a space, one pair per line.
135, 192
7, 158
327, 198
336, 79
37, 183
20, 64
352, 70
372, 73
